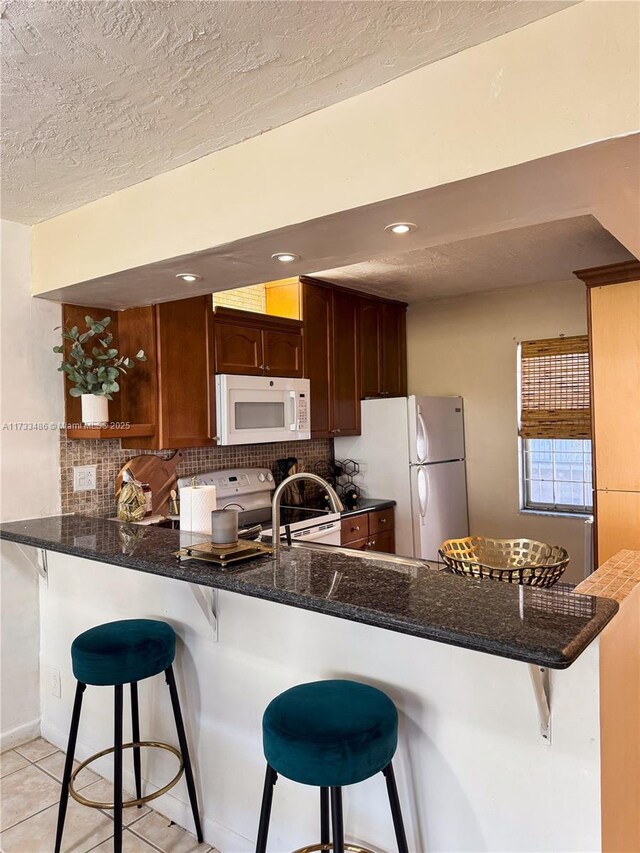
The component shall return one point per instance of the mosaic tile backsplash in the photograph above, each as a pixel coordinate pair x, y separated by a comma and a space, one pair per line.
109, 457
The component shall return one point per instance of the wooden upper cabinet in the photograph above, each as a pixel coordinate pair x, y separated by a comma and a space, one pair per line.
370, 348
238, 349
394, 350
168, 400
331, 319
316, 312
345, 364
355, 347
282, 353
615, 353
252, 344
383, 346
176, 383
186, 383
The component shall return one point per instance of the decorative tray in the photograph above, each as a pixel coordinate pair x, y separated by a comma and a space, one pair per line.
224, 556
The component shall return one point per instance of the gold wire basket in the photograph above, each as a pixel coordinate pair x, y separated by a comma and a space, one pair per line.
522, 561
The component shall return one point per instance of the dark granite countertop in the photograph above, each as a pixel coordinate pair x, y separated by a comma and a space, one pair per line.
368, 505
535, 626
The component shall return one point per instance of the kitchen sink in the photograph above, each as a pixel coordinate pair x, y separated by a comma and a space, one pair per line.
378, 556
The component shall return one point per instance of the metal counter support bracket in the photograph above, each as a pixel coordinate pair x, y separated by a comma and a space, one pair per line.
207, 599
540, 681
38, 559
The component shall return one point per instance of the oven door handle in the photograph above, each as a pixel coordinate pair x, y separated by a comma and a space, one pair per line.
315, 534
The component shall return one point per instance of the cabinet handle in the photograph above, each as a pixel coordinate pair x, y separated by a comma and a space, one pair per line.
267, 367
383, 521
372, 543
261, 367
336, 431
355, 529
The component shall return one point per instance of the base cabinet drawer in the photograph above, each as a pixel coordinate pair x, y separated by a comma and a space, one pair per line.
370, 531
358, 544
354, 528
381, 521
382, 542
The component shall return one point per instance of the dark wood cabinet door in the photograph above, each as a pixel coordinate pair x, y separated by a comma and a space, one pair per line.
187, 416
282, 353
353, 528
393, 350
346, 364
139, 394
238, 349
316, 303
370, 348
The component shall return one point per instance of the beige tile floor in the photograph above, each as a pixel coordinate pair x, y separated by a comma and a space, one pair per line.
29, 792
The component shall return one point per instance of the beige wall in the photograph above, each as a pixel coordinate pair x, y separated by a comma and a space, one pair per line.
526, 95
30, 394
467, 345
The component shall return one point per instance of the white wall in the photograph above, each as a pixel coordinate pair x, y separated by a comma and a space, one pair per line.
30, 393
467, 345
473, 772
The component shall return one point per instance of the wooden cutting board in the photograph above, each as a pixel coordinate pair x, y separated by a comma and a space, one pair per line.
159, 473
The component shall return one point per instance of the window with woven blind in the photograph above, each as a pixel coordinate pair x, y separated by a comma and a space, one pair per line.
555, 399
555, 426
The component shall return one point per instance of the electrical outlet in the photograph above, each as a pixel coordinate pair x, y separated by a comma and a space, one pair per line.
85, 478
54, 682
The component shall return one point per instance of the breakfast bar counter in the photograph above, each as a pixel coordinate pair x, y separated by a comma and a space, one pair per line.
488, 743
536, 626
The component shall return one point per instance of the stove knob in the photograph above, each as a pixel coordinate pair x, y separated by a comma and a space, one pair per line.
261, 477
270, 476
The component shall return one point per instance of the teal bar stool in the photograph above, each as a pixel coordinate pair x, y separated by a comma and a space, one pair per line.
330, 734
115, 654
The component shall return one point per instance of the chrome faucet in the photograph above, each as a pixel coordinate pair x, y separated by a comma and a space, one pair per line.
334, 500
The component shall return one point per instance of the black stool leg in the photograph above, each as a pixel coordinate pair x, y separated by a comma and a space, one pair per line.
68, 764
135, 730
117, 769
336, 820
394, 802
184, 749
270, 779
325, 832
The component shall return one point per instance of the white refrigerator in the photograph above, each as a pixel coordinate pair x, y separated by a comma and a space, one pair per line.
412, 451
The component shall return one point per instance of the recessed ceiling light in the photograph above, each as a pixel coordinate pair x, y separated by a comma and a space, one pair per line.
189, 277
285, 257
401, 227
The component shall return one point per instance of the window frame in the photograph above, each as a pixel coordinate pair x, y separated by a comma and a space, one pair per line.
559, 510
563, 510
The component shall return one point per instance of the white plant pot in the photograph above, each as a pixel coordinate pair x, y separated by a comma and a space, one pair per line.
95, 410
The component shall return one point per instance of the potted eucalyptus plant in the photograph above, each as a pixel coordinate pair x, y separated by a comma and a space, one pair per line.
94, 372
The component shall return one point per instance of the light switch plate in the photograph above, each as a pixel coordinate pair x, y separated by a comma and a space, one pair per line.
85, 478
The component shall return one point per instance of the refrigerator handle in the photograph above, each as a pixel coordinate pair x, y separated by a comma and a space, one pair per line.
422, 503
421, 437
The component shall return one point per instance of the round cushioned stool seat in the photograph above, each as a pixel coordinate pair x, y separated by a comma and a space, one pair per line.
124, 651
330, 733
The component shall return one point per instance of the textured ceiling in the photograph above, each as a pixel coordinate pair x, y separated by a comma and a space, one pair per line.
97, 96
546, 252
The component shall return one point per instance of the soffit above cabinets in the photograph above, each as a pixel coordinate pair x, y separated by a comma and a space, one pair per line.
535, 222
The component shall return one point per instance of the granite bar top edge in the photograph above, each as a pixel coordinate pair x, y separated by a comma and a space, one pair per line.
246, 581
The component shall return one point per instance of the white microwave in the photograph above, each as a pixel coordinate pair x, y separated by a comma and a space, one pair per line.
259, 409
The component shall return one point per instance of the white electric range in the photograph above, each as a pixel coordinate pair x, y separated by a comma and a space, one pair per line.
251, 491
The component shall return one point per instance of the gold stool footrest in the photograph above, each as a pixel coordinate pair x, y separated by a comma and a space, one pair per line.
94, 804
349, 848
